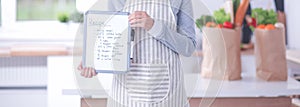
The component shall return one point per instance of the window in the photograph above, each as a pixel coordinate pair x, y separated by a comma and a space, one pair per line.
32, 19
43, 9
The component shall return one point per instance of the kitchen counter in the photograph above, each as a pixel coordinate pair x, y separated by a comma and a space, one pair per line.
53, 49
248, 86
246, 91
197, 87
293, 55
35, 50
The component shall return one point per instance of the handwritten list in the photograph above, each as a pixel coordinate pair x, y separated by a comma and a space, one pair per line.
108, 48
109, 37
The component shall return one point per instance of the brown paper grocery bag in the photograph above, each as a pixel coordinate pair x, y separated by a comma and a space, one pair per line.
270, 53
221, 54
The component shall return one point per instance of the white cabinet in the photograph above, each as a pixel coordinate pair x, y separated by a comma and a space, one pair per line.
23, 98
61, 76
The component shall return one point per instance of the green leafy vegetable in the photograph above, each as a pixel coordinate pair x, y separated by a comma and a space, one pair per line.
63, 17
221, 16
264, 16
200, 22
77, 17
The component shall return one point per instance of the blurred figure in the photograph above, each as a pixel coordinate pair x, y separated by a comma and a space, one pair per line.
280, 14
246, 31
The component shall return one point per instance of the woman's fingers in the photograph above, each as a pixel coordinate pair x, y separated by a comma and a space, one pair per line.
137, 23
140, 19
132, 17
79, 66
138, 15
82, 73
86, 72
145, 23
91, 73
94, 72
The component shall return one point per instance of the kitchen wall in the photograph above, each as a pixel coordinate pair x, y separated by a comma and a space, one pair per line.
292, 16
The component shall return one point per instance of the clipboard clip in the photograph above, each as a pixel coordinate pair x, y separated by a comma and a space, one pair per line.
131, 44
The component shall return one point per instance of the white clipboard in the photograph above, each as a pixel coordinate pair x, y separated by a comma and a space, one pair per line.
106, 45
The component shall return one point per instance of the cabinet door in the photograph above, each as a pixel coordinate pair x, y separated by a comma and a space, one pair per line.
61, 76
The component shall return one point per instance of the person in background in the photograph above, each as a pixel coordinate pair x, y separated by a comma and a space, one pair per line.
281, 15
246, 31
280, 10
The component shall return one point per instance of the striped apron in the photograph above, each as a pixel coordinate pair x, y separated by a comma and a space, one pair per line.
155, 78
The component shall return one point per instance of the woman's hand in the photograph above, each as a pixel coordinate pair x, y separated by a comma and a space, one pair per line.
140, 19
87, 72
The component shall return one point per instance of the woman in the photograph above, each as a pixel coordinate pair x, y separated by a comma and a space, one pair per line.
163, 29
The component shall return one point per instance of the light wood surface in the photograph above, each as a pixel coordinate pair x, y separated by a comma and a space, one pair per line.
218, 102
243, 52
4, 51
35, 50
247, 102
93, 102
